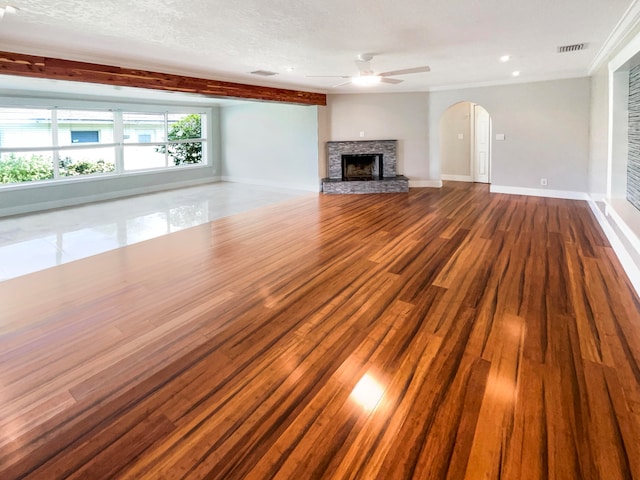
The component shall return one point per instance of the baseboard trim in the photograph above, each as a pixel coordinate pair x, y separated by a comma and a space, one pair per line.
539, 192
70, 202
629, 266
457, 178
425, 183
628, 233
317, 188
267, 183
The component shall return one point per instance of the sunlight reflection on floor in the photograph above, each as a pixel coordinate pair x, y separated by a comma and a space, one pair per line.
29, 243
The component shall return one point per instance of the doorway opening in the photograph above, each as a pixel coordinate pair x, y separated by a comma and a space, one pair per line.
465, 143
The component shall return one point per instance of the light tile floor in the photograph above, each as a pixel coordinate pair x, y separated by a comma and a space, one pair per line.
33, 242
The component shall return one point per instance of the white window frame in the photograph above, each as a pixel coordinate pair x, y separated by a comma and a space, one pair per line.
118, 131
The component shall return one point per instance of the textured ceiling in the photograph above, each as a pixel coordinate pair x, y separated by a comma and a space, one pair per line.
460, 39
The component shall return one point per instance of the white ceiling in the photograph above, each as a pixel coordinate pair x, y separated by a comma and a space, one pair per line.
461, 40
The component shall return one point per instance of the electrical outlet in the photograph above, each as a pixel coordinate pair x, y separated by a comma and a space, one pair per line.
361, 134
543, 182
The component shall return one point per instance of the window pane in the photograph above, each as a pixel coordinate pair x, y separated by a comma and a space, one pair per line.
18, 167
154, 140
25, 127
85, 136
86, 161
143, 127
184, 126
184, 153
144, 157
84, 126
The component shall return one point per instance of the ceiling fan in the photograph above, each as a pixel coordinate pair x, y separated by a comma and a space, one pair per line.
367, 77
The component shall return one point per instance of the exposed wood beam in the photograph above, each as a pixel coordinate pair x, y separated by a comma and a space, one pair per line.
59, 69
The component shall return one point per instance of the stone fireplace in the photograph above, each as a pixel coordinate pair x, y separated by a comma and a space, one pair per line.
363, 167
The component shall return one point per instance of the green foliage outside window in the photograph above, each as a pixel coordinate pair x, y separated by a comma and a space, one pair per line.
20, 169
16, 169
184, 153
69, 167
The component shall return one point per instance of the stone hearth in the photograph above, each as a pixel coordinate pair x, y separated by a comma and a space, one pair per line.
385, 181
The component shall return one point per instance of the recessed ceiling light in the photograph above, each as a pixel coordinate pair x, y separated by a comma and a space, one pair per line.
505, 58
516, 73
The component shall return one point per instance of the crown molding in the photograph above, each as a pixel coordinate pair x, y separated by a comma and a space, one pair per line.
551, 77
627, 23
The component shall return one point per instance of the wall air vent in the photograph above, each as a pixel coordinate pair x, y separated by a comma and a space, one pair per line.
264, 73
572, 48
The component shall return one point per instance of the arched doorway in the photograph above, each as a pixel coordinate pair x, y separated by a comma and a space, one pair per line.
465, 143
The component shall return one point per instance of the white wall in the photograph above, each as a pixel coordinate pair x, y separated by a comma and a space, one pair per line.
323, 138
546, 128
45, 196
271, 144
387, 116
456, 151
598, 142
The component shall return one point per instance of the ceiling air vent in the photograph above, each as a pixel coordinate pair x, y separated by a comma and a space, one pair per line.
263, 73
572, 48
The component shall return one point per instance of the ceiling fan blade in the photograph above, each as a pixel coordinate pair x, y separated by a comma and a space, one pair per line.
406, 71
393, 81
341, 84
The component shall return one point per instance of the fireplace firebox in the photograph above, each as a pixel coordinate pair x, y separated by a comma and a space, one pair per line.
362, 166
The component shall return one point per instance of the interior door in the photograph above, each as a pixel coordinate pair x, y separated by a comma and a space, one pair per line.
482, 147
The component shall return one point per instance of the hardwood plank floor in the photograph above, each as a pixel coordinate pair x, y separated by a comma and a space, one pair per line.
493, 336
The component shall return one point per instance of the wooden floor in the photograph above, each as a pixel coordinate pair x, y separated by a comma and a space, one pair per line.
447, 333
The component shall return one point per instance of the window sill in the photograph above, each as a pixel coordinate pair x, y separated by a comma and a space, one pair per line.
99, 177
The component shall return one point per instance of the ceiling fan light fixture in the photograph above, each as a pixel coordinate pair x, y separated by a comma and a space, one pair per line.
366, 80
